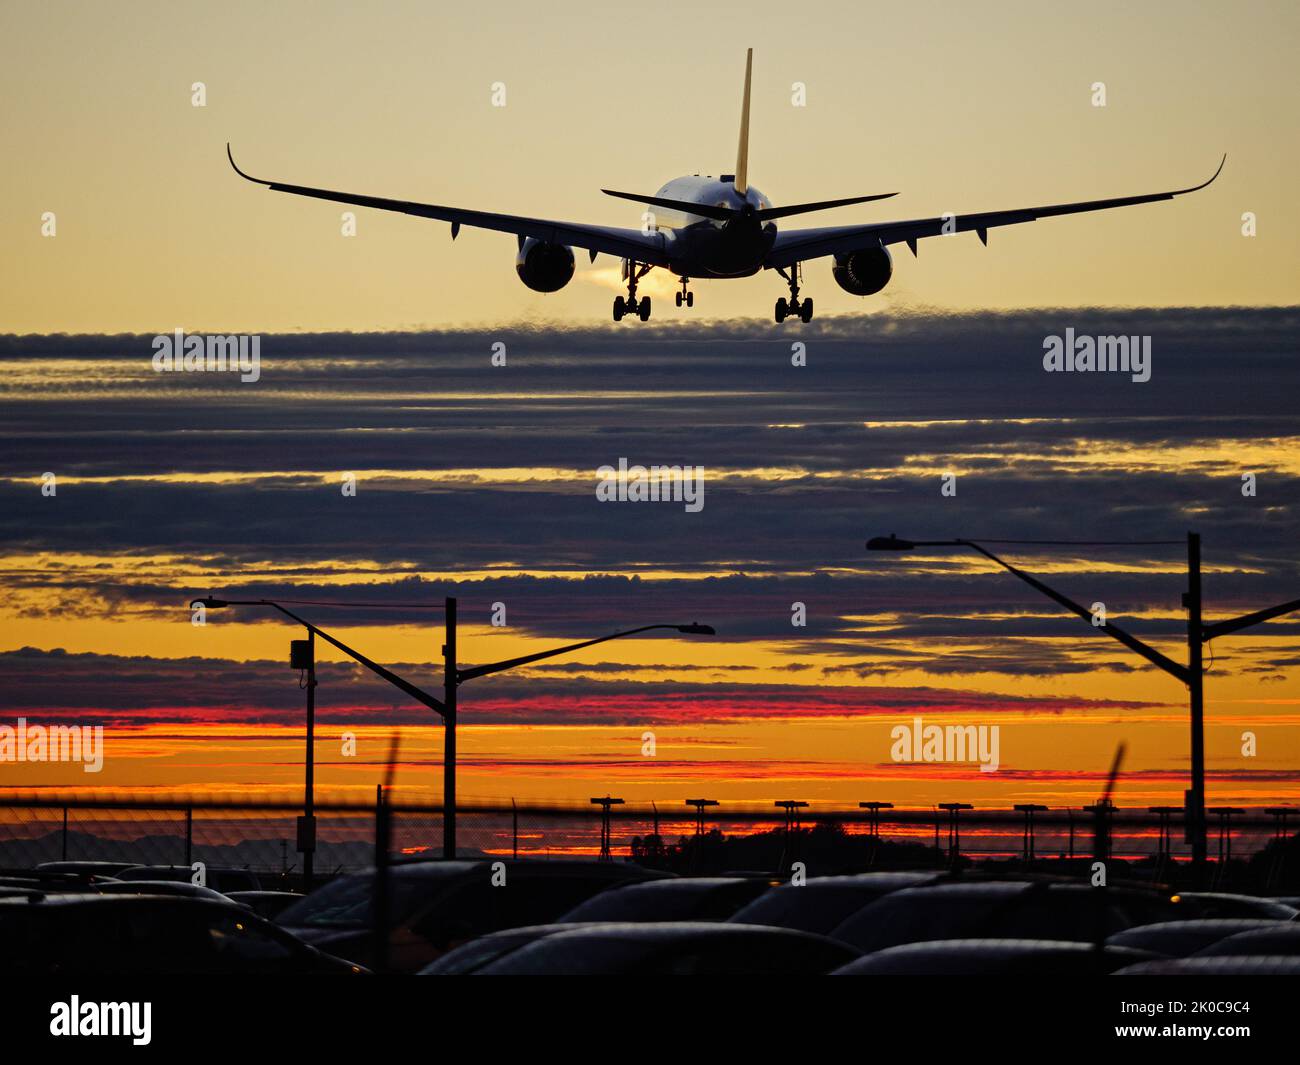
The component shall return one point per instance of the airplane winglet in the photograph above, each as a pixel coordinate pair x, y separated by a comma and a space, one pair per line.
248, 177
1203, 184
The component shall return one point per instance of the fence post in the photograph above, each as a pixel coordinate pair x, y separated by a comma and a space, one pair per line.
189, 835
514, 820
65, 833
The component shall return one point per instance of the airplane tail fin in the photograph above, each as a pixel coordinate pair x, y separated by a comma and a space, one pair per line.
742, 152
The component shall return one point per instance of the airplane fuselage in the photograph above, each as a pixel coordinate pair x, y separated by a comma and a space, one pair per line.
701, 247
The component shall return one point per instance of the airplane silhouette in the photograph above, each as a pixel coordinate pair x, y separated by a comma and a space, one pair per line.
723, 227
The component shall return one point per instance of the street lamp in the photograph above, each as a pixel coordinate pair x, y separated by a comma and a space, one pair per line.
453, 677
700, 805
1198, 634
954, 831
604, 805
1029, 809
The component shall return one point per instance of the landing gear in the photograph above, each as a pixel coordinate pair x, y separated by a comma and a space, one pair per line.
632, 273
795, 307
685, 296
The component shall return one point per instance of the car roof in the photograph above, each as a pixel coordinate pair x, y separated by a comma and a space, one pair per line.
1246, 900
989, 946
1186, 932
439, 867
1228, 896
1264, 965
1226, 925
1283, 938
182, 869
643, 941
964, 889
976, 949
65, 899
873, 881
174, 888
682, 885
671, 931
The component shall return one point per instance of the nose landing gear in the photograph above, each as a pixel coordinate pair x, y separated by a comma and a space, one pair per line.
685, 296
632, 273
795, 308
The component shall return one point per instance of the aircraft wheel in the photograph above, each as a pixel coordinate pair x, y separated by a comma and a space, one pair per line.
780, 311
618, 308
805, 312
690, 299
679, 299
644, 309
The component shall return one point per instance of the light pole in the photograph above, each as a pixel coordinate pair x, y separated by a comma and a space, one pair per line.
604, 805
700, 805
954, 830
302, 653
1029, 809
1198, 634
453, 677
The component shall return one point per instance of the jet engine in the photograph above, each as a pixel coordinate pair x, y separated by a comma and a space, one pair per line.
864, 271
544, 267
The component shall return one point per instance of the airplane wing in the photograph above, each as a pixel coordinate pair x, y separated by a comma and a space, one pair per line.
800, 244
625, 243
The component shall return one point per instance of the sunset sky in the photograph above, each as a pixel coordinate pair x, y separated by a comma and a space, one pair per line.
479, 481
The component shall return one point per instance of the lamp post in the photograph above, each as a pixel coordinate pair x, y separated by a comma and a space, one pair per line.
1029, 809
302, 654
1198, 634
954, 830
604, 805
699, 805
453, 677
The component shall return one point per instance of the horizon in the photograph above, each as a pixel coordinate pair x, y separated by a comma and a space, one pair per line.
236, 487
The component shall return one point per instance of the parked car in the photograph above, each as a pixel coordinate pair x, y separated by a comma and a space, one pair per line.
700, 898
994, 957
437, 905
1208, 904
822, 903
686, 948
1179, 939
91, 934
1279, 941
1002, 909
216, 877
268, 904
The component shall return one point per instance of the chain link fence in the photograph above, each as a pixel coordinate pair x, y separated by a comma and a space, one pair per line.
262, 836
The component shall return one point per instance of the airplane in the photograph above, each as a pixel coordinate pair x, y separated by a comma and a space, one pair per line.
718, 227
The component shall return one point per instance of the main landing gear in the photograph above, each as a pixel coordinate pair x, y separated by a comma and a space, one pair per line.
685, 296
632, 273
795, 308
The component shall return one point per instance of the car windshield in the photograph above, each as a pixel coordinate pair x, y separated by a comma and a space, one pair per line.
347, 902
